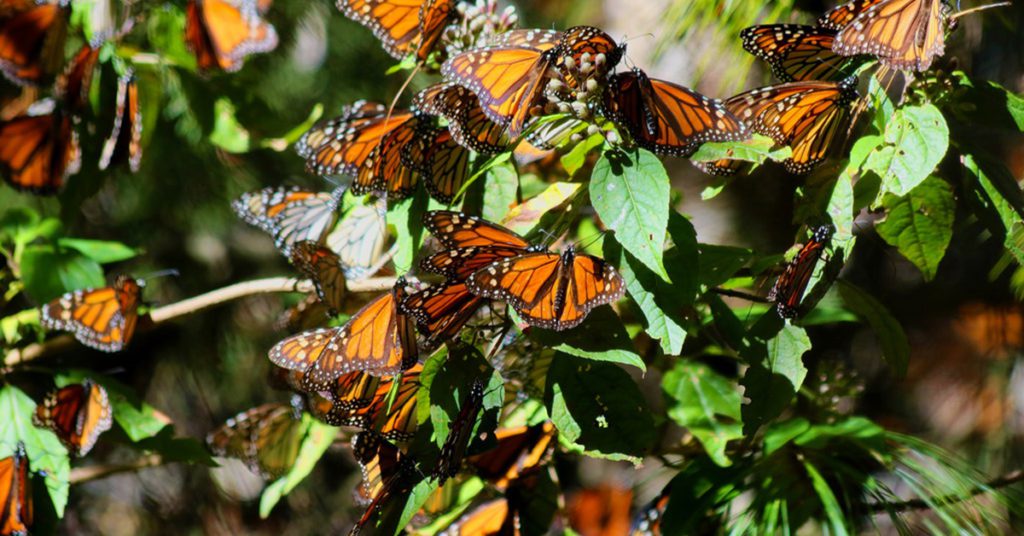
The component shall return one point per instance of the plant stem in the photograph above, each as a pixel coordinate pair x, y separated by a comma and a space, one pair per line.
1003, 481
95, 472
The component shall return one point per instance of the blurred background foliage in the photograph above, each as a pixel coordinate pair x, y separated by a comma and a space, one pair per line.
966, 374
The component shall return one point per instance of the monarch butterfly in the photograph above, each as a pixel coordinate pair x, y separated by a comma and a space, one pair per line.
519, 451
39, 150
379, 339
221, 33
359, 238
666, 118
101, 318
267, 438
496, 517
585, 44
393, 417
328, 129
393, 165
125, 139
459, 434
448, 167
386, 473
469, 126
31, 40
904, 34
648, 520
77, 413
441, 311
351, 391
797, 53
600, 510
72, 85
806, 116
403, 26
509, 77
15, 493
345, 144
323, 267
290, 215
790, 286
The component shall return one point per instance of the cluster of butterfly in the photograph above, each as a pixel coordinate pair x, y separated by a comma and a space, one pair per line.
77, 413
39, 147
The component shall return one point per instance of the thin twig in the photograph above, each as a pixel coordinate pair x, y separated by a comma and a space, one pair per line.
96, 472
198, 303
740, 294
1008, 479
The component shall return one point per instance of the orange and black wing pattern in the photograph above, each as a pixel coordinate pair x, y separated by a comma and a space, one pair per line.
404, 27
351, 143
448, 167
840, 17
806, 116
39, 152
290, 215
457, 230
520, 451
468, 124
125, 140
666, 118
72, 85
267, 438
790, 286
221, 33
324, 268
387, 473
352, 116
16, 509
101, 318
379, 339
441, 311
395, 163
796, 53
31, 40
584, 45
492, 518
77, 413
904, 34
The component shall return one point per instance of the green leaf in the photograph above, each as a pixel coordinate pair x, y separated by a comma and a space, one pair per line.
662, 303
719, 263
500, 191
829, 503
573, 160
920, 224
449, 386
780, 434
1001, 194
44, 450
601, 337
630, 192
165, 29
228, 133
757, 149
101, 251
821, 436
841, 207
785, 355
698, 492
318, 438
48, 273
598, 409
406, 218
707, 404
916, 140
775, 374
17, 222
895, 348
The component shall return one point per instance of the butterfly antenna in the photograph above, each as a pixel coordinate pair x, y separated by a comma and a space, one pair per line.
162, 273
959, 14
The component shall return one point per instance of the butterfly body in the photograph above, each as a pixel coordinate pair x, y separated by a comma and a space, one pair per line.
789, 289
77, 413
102, 318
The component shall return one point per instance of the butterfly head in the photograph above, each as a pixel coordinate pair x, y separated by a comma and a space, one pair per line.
823, 233
848, 89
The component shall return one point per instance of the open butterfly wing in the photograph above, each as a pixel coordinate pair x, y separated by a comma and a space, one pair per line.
396, 23
796, 52
904, 34
222, 33
839, 17
102, 318
441, 311
349, 148
351, 116
593, 282
77, 413
493, 518
530, 283
457, 230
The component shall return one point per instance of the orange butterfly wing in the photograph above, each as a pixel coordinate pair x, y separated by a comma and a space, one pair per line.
449, 167
31, 42
73, 84
457, 230
493, 518
905, 34
797, 52
78, 414
839, 17
520, 451
222, 32
789, 289
102, 318
323, 267
125, 139
350, 147
37, 153
15, 494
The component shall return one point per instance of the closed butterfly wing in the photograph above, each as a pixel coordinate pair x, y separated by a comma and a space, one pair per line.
360, 238
353, 143
73, 84
387, 473
536, 39
393, 167
125, 140
77, 413
469, 126
324, 268
788, 290
441, 311
290, 215
379, 339
492, 518
16, 509
31, 41
101, 318
403, 27
796, 52
351, 117
221, 33
508, 81
39, 152
519, 451
448, 167
457, 230
904, 34
267, 438
666, 118
459, 434
395, 417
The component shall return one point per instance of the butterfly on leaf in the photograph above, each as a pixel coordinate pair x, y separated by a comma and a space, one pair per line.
221, 33
290, 215
31, 39
125, 140
807, 116
16, 508
78, 413
101, 318
267, 438
460, 432
39, 150
789, 288
903, 34
404, 27
667, 118
379, 339
324, 268
796, 53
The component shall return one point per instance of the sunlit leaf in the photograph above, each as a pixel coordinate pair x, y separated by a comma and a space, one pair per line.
707, 404
44, 450
915, 142
920, 224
